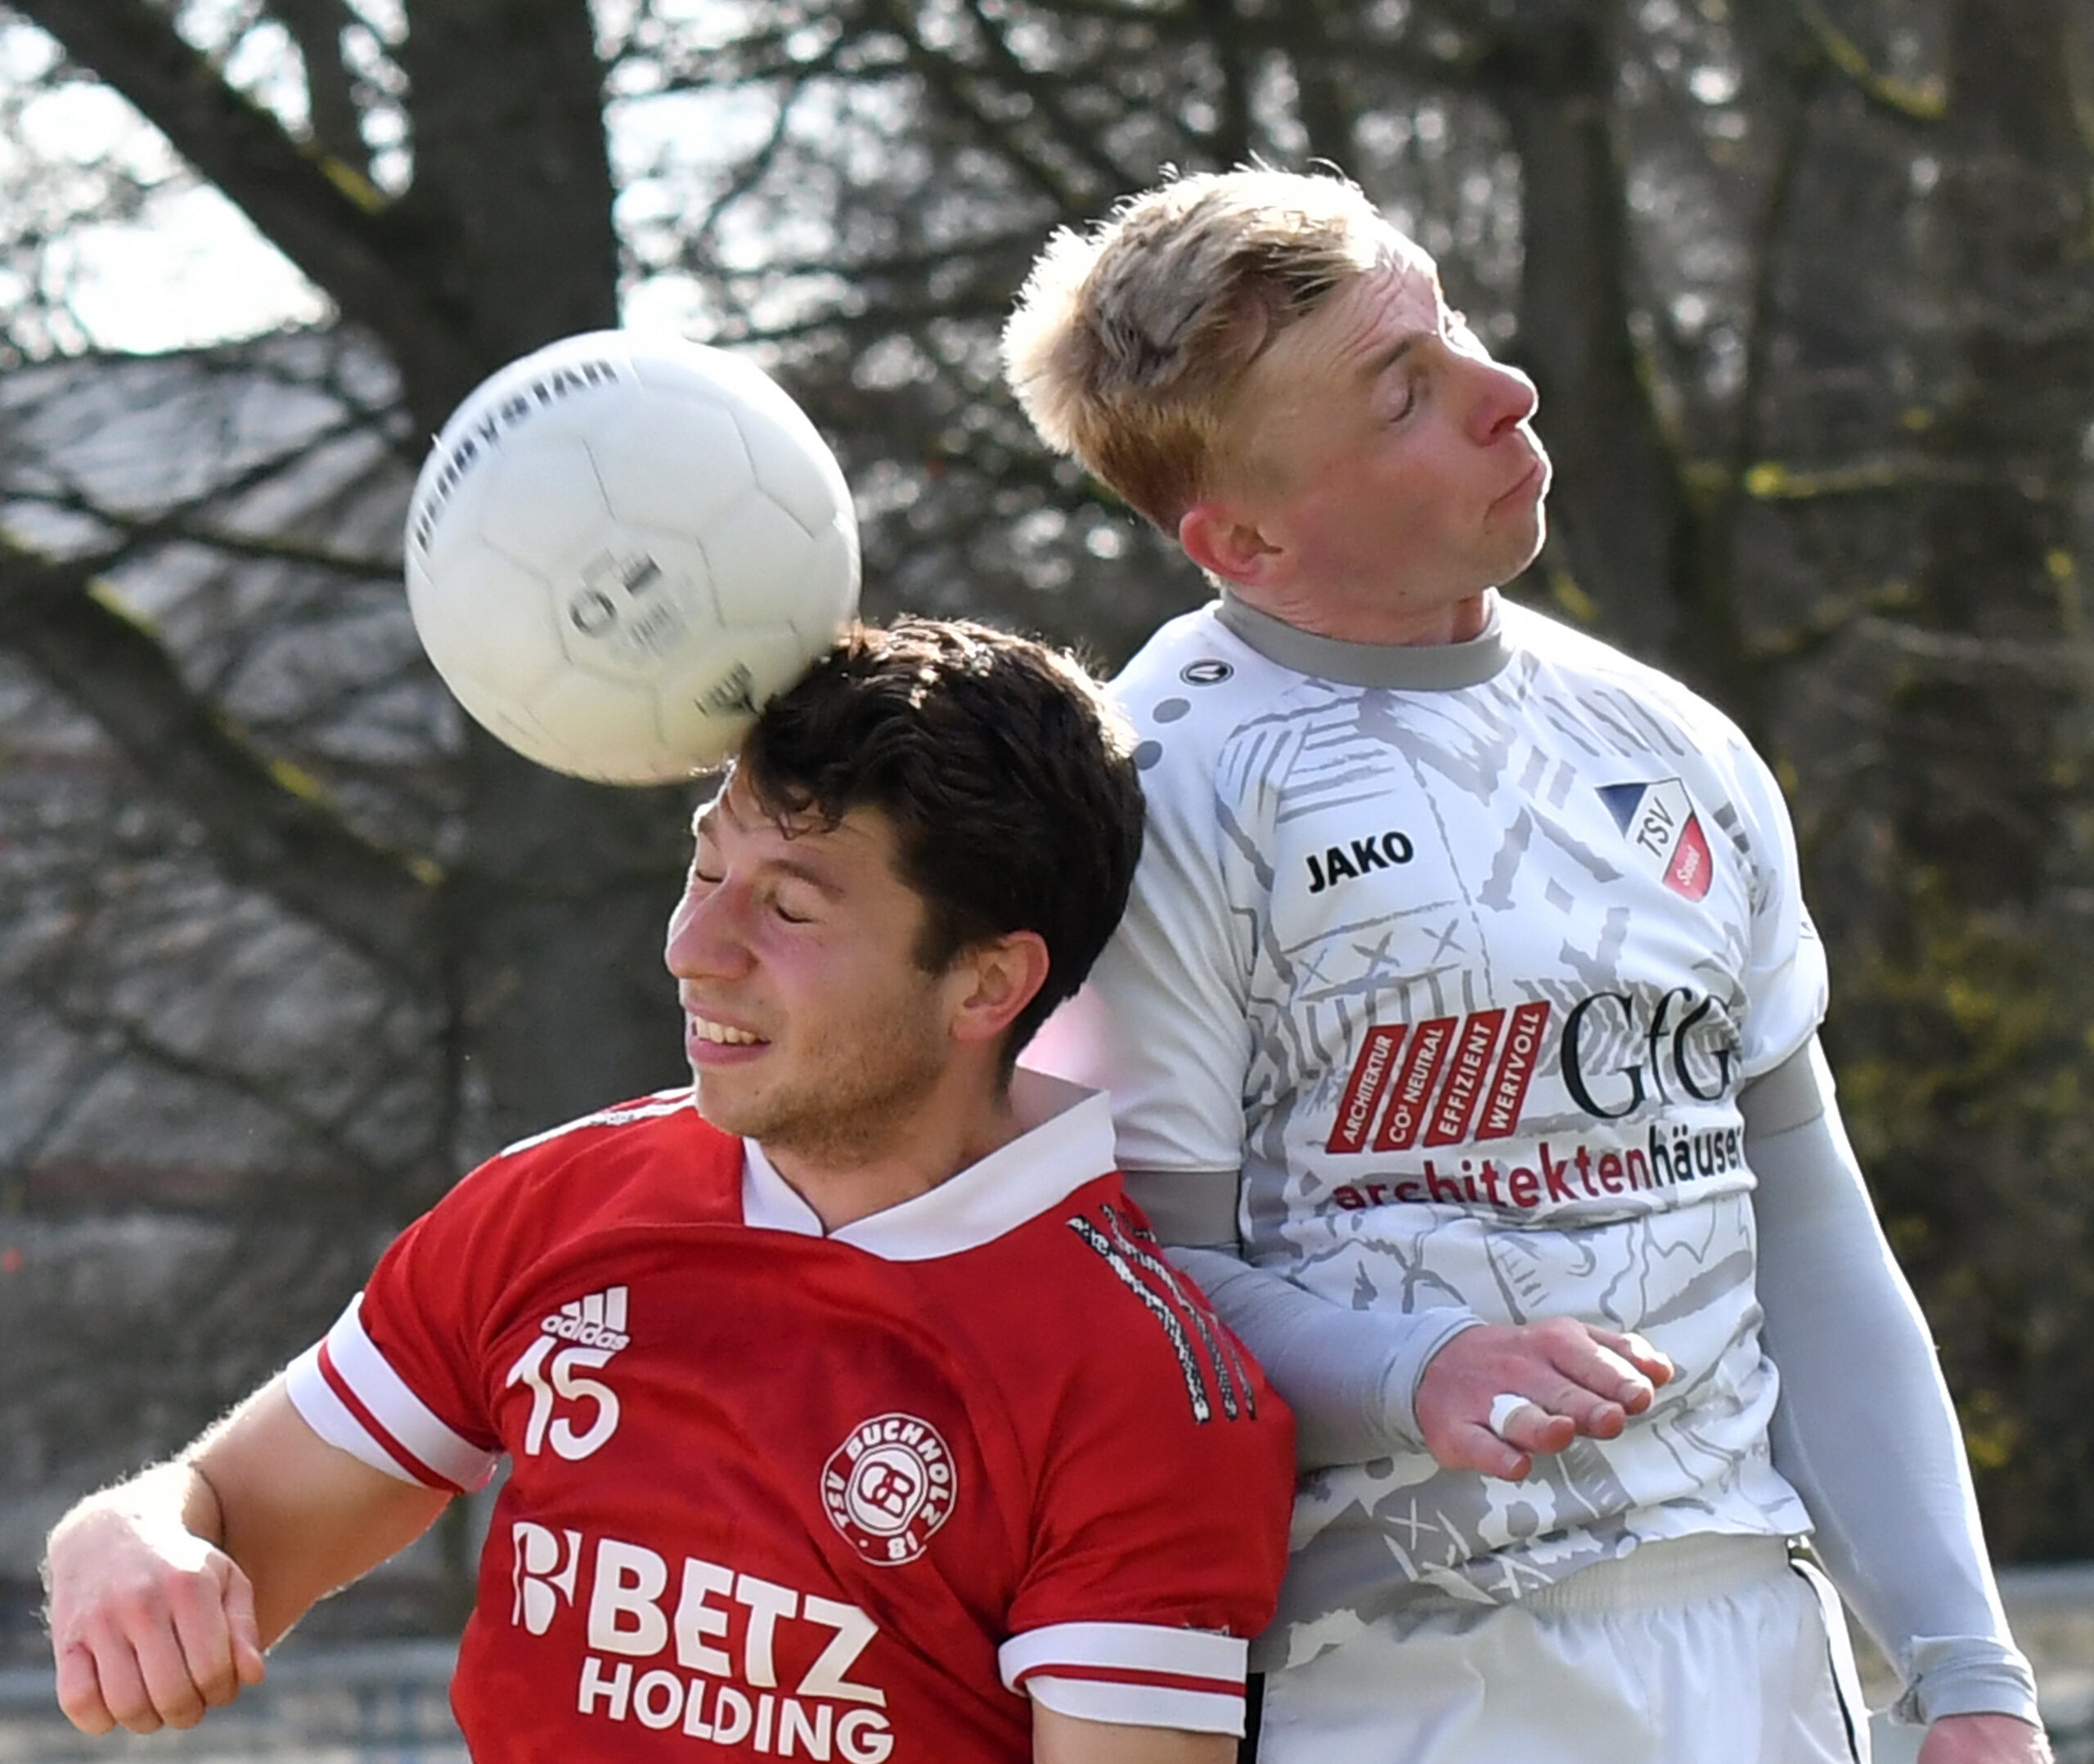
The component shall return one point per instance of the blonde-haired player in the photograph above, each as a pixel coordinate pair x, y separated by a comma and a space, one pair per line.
1462, 1031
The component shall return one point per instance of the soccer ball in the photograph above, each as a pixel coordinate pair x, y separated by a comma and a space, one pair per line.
621, 546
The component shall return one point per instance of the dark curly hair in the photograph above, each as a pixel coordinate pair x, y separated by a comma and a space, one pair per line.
1007, 776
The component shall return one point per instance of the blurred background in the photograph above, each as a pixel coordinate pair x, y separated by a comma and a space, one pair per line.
1808, 288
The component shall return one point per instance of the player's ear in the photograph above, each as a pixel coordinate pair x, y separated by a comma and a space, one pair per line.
992, 982
1225, 542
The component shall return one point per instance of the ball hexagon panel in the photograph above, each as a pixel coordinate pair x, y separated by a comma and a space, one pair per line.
602, 728
487, 618
794, 467
503, 718
791, 462
765, 563
543, 504
677, 460
831, 601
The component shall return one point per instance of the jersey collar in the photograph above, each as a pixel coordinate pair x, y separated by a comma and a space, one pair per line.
1406, 667
1068, 1142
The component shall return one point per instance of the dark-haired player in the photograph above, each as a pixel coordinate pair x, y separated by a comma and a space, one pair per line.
851, 1412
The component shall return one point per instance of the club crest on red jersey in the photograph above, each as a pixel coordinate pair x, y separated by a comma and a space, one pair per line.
888, 1486
1659, 821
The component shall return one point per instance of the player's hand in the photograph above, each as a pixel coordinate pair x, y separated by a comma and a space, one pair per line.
1984, 1739
1576, 1379
151, 1625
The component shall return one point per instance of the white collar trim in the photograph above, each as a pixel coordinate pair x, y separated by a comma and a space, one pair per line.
1065, 1141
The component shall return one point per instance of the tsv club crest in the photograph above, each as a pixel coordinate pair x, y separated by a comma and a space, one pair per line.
1658, 821
888, 1486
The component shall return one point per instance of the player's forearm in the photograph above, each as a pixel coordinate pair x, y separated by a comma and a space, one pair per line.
1866, 1432
301, 1516
163, 1498
1350, 1376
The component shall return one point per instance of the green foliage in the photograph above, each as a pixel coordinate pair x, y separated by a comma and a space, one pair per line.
1966, 1067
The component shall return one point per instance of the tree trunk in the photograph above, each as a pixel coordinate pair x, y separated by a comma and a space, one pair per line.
559, 908
1983, 791
1618, 513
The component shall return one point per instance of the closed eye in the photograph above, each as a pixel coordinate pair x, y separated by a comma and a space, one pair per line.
792, 902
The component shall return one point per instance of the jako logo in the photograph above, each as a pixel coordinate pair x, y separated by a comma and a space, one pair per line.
1340, 864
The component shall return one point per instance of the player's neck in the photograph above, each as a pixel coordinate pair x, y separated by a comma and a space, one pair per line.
855, 1168
1370, 619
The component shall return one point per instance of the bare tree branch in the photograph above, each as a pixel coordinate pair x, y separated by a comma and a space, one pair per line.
270, 828
316, 208
1896, 98
316, 27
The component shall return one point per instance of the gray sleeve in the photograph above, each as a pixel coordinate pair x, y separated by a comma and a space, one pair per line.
1864, 1429
1350, 1376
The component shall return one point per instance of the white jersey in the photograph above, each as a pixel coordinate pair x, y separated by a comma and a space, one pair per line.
1462, 954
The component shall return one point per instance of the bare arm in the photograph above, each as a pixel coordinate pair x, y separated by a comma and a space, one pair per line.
1065, 1740
164, 1589
1984, 1739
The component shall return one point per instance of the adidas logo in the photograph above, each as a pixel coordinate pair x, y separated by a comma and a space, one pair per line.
595, 1321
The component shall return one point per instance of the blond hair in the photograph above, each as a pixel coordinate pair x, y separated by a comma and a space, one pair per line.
1130, 343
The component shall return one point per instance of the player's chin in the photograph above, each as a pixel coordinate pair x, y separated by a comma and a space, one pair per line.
728, 1106
1512, 555
1521, 528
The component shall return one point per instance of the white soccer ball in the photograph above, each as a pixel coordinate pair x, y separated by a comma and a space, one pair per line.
621, 546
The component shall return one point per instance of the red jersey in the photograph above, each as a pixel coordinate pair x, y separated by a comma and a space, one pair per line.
850, 1496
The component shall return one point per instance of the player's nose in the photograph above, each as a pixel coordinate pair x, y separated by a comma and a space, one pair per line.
706, 936
1502, 398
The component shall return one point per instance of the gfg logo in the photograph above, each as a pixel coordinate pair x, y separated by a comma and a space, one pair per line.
1623, 1050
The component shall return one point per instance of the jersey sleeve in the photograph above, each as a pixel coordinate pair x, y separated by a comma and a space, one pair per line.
1163, 1022
1160, 1535
1784, 970
397, 1381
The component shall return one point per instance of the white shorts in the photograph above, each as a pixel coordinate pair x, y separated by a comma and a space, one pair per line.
1707, 1651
